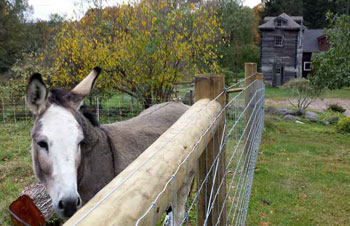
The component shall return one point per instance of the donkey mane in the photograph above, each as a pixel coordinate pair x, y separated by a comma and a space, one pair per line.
62, 97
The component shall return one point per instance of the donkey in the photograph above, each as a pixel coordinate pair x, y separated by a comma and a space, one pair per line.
74, 156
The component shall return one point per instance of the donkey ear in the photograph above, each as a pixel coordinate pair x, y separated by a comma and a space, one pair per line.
84, 87
36, 94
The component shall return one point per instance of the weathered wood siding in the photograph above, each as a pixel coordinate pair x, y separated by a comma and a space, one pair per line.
287, 56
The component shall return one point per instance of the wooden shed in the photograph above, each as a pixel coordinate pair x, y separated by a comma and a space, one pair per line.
281, 48
287, 47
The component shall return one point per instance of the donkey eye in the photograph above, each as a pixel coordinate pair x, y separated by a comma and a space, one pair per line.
43, 144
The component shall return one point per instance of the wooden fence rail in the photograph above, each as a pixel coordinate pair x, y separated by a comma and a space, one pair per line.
128, 196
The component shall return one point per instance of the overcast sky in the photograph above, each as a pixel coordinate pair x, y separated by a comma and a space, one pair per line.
43, 8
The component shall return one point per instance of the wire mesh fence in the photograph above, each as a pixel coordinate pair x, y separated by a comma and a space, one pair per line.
227, 195
217, 187
106, 109
211, 184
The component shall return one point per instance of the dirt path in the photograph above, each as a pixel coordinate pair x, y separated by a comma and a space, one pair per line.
318, 105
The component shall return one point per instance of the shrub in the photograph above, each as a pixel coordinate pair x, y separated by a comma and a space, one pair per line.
336, 108
331, 117
343, 125
302, 93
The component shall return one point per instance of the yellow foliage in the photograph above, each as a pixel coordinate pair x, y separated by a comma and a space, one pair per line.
143, 48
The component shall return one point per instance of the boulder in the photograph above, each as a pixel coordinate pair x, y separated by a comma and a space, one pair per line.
285, 111
312, 116
271, 110
289, 118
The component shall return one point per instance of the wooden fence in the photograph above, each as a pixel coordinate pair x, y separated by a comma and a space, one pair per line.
201, 145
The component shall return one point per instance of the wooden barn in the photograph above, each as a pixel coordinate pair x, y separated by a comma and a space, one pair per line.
287, 47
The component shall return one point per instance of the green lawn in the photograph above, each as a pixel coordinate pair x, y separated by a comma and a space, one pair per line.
15, 164
302, 176
279, 93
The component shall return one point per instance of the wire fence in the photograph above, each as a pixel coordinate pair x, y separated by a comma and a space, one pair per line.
242, 131
106, 109
221, 195
218, 186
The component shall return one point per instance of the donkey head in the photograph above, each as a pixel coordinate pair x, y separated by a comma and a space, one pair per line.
56, 138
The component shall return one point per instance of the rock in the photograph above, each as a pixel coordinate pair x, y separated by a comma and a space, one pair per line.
271, 110
289, 118
285, 111
312, 116
299, 122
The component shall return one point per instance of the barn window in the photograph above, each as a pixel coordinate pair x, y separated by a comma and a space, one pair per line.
279, 23
307, 66
278, 70
278, 41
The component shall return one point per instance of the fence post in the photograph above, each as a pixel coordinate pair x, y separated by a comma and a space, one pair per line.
191, 97
210, 86
97, 109
3, 110
14, 110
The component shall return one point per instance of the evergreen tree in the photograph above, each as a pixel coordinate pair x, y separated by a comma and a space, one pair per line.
12, 31
314, 12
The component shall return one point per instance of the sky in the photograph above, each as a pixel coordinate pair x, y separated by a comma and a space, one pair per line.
43, 8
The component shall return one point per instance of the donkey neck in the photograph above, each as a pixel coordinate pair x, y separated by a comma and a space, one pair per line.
97, 159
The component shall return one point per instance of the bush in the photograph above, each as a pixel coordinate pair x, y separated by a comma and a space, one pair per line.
302, 91
231, 77
343, 125
336, 108
331, 117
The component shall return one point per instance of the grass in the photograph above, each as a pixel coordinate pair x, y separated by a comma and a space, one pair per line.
302, 176
15, 164
281, 94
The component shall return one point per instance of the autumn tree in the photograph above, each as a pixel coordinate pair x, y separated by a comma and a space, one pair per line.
144, 48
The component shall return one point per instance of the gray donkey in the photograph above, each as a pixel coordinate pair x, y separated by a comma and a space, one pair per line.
73, 156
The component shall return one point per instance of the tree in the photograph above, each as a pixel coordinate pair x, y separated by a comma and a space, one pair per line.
12, 31
331, 69
314, 12
238, 25
143, 48
276, 7
302, 93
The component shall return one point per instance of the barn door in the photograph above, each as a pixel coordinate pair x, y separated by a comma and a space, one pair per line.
278, 75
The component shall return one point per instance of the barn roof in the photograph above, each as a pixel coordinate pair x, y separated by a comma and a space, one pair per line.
310, 43
295, 18
290, 25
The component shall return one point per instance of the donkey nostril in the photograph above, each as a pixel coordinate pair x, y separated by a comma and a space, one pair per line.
78, 202
60, 204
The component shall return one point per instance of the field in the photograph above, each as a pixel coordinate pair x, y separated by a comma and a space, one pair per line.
302, 176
